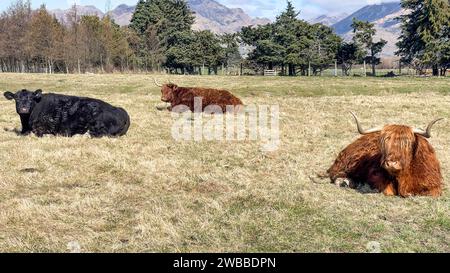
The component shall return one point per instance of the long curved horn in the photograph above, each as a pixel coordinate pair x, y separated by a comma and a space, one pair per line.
157, 83
427, 133
361, 130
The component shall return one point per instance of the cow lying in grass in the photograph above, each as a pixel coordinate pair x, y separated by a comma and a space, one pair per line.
52, 114
178, 96
396, 160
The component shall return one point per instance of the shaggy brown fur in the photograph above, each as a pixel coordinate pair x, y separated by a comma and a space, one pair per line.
176, 96
395, 161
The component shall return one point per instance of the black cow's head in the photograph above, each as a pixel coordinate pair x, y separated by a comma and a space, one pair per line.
25, 100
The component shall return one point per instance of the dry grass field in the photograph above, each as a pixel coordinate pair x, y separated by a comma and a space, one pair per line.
146, 192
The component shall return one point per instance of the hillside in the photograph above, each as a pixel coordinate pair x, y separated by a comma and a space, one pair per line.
210, 15
384, 16
122, 14
329, 20
221, 19
61, 14
371, 13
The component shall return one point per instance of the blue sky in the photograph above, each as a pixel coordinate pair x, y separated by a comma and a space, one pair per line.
260, 8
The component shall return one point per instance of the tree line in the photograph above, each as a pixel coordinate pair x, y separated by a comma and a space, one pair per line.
167, 39
299, 47
160, 37
35, 41
425, 39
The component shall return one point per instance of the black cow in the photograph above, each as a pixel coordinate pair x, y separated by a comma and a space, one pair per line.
53, 114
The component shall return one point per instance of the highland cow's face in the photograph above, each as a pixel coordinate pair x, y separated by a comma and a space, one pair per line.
168, 92
25, 100
397, 146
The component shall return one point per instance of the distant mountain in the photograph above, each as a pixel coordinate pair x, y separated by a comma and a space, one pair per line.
122, 14
384, 16
371, 13
210, 15
221, 19
81, 10
328, 20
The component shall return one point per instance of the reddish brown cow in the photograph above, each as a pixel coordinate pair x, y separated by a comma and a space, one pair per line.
177, 96
396, 160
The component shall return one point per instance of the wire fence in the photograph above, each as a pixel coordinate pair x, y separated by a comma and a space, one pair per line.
332, 70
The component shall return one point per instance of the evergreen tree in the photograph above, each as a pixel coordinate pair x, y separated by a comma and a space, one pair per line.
180, 56
208, 50
141, 17
424, 39
444, 50
286, 35
196, 51
230, 45
251, 35
364, 37
291, 43
168, 16
324, 44
276, 44
169, 20
347, 55
267, 52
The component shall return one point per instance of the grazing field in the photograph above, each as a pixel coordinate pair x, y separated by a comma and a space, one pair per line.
146, 192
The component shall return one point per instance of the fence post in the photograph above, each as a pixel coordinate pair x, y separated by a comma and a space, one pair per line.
365, 70
335, 69
309, 69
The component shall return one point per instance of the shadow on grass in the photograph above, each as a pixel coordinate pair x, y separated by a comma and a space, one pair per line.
15, 131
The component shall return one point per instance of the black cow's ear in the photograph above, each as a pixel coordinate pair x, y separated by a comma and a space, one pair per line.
9, 96
38, 95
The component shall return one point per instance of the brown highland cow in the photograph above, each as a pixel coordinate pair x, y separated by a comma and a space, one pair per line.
396, 160
177, 96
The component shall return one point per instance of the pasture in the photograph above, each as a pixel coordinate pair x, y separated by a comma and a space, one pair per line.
146, 192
